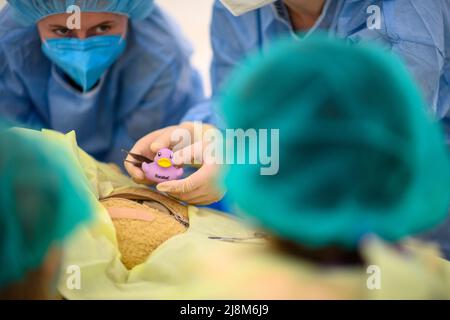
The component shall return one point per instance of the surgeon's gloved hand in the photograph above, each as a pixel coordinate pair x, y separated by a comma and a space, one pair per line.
189, 141
200, 188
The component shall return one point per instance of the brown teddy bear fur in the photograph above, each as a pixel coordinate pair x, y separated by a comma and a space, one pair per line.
137, 239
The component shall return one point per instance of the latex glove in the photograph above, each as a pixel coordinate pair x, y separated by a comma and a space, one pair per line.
201, 187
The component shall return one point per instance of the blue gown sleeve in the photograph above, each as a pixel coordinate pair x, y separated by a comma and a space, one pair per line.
175, 89
15, 105
228, 36
417, 31
175, 96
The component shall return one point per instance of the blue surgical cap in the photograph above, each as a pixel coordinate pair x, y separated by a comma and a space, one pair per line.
358, 154
41, 202
28, 12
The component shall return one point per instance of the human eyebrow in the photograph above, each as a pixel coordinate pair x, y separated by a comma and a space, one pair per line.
103, 23
58, 26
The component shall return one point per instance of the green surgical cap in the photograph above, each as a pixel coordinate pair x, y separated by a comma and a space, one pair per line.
28, 12
40, 203
358, 153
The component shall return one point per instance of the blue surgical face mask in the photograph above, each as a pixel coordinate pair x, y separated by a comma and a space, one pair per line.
85, 61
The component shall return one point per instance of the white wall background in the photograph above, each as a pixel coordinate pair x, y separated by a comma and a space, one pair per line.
194, 18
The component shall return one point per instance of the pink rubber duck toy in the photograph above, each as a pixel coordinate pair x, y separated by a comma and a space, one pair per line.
162, 169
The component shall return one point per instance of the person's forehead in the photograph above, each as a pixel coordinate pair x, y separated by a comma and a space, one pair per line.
87, 18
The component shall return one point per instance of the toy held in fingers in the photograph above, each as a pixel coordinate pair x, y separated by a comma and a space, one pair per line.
162, 168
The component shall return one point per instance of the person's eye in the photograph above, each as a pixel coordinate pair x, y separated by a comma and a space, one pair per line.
62, 32
103, 29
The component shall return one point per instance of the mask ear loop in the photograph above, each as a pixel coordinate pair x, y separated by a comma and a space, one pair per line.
125, 33
45, 43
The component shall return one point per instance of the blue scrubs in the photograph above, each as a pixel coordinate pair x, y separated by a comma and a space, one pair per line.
151, 86
418, 31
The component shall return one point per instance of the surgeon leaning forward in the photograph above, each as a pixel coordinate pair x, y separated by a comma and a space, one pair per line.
123, 73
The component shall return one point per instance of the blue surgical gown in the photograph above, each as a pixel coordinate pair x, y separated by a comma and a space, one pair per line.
151, 86
417, 30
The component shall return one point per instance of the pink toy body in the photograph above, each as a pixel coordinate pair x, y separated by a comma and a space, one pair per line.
162, 169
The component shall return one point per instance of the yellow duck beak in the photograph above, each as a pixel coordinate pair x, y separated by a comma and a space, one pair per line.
164, 163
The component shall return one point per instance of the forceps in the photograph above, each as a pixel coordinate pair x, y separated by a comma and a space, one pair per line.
256, 236
138, 159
